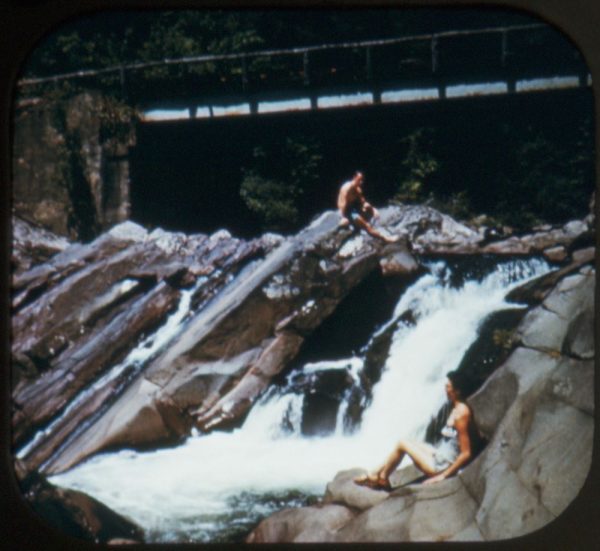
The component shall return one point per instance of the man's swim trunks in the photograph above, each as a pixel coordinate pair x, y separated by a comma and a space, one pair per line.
354, 211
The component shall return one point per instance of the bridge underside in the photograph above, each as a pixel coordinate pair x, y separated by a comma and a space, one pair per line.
186, 174
357, 97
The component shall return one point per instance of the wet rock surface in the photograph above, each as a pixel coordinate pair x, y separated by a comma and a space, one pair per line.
536, 409
101, 299
76, 513
79, 310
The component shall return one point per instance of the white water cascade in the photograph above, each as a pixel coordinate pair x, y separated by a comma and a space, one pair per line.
217, 483
134, 361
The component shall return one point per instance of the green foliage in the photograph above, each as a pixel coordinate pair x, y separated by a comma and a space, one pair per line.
273, 201
457, 205
417, 167
522, 175
280, 181
117, 38
550, 179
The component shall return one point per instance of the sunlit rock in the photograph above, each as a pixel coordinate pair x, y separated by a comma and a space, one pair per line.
211, 321
398, 263
555, 254
313, 524
537, 411
33, 245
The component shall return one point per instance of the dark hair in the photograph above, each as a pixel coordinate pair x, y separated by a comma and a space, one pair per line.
460, 382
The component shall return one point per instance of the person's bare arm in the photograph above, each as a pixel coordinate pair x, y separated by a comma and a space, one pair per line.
461, 424
342, 204
342, 200
367, 207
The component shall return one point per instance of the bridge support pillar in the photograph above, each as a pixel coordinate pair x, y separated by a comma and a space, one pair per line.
583, 78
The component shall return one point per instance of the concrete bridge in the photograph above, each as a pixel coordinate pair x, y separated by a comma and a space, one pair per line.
428, 67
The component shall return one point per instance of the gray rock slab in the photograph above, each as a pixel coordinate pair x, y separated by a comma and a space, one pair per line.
572, 382
584, 255
544, 327
386, 522
555, 254
441, 510
508, 509
469, 533
530, 366
343, 490
572, 294
398, 263
304, 525
493, 399
557, 454
580, 340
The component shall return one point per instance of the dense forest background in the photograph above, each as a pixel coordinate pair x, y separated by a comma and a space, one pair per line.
519, 161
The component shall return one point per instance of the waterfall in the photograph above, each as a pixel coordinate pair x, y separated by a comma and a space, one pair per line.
214, 484
132, 365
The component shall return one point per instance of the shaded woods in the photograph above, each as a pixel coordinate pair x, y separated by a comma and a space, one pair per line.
519, 160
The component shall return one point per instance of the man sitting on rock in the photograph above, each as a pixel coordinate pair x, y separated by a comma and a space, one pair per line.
355, 209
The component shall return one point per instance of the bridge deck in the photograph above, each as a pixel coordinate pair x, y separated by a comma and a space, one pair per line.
410, 68
223, 107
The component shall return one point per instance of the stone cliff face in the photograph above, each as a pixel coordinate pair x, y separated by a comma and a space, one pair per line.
80, 312
68, 174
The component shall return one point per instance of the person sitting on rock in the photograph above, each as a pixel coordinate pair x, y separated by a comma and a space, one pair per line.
355, 209
453, 452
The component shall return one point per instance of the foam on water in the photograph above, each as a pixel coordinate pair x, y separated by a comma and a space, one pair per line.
145, 350
186, 488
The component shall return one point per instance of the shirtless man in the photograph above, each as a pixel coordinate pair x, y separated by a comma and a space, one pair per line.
355, 209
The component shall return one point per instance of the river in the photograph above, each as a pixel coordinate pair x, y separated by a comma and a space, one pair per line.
216, 487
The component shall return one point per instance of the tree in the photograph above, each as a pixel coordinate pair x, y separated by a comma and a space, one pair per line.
281, 181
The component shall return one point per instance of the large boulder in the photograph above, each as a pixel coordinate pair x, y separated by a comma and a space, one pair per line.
252, 305
213, 379
537, 410
32, 245
100, 301
69, 176
75, 513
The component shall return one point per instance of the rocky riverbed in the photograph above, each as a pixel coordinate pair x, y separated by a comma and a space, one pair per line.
90, 375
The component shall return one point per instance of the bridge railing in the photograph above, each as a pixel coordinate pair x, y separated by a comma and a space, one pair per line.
459, 56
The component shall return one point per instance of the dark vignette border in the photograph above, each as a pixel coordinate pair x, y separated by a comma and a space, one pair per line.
23, 23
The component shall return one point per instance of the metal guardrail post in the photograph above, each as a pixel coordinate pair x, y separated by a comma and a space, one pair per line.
504, 48
434, 53
510, 81
369, 66
305, 69
122, 82
244, 74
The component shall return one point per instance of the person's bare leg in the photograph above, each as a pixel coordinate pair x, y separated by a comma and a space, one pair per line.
359, 221
419, 453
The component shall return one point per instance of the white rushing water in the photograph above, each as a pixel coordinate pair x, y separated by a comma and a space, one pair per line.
184, 493
147, 348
